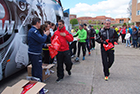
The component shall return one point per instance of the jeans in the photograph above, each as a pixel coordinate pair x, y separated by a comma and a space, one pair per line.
128, 42
134, 42
36, 61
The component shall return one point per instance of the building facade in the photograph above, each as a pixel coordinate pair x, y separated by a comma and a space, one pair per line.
99, 20
135, 18
121, 20
72, 16
94, 20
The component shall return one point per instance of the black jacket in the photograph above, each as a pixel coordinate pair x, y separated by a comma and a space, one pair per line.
104, 34
92, 32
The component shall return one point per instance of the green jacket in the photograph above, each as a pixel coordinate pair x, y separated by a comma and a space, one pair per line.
82, 35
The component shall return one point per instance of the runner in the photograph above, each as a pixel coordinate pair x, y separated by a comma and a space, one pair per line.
107, 55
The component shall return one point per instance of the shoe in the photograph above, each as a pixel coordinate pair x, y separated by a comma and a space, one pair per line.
89, 53
69, 72
77, 59
93, 48
106, 78
83, 58
58, 80
72, 56
45, 90
51, 71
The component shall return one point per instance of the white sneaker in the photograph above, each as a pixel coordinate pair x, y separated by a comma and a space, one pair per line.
45, 90
51, 71
72, 56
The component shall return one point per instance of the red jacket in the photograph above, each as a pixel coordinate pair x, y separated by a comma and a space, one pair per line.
63, 40
124, 31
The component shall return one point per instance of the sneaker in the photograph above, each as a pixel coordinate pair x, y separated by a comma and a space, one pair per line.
83, 58
58, 80
45, 90
106, 78
69, 72
72, 56
51, 71
93, 48
77, 59
89, 53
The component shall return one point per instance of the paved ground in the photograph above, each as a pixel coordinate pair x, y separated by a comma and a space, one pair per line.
87, 76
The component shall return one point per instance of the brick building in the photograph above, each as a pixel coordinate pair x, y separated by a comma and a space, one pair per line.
82, 20
94, 20
121, 20
135, 17
72, 16
99, 20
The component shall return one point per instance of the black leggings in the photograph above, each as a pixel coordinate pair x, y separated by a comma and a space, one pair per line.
123, 36
107, 60
83, 48
92, 43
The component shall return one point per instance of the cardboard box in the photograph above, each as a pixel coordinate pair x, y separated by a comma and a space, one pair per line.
18, 87
45, 70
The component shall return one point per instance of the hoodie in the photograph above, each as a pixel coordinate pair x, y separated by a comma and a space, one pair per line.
63, 40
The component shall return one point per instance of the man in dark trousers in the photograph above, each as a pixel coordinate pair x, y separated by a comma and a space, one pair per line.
88, 38
92, 38
107, 56
63, 55
35, 42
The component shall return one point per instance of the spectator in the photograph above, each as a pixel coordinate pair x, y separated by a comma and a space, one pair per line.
63, 55
46, 54
139, 37
35, 42
52, 27
127, 38
135, 37
123, 33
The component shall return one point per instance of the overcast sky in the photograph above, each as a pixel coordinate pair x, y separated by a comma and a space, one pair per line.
93, 8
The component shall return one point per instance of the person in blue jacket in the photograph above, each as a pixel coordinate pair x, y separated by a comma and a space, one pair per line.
35, 41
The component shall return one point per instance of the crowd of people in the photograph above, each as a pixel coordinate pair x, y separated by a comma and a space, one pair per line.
130, 35
41, 36
39, 40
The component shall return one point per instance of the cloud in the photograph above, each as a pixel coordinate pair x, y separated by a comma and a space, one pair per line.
111, 8
90, 14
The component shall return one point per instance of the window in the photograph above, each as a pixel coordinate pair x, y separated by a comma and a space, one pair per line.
138, 12
121, 21
138, 1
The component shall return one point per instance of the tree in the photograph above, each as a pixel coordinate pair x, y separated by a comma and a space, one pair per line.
129, 9
124, 24
74, 21
89, 21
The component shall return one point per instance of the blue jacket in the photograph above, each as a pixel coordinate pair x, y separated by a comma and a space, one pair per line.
35, 41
